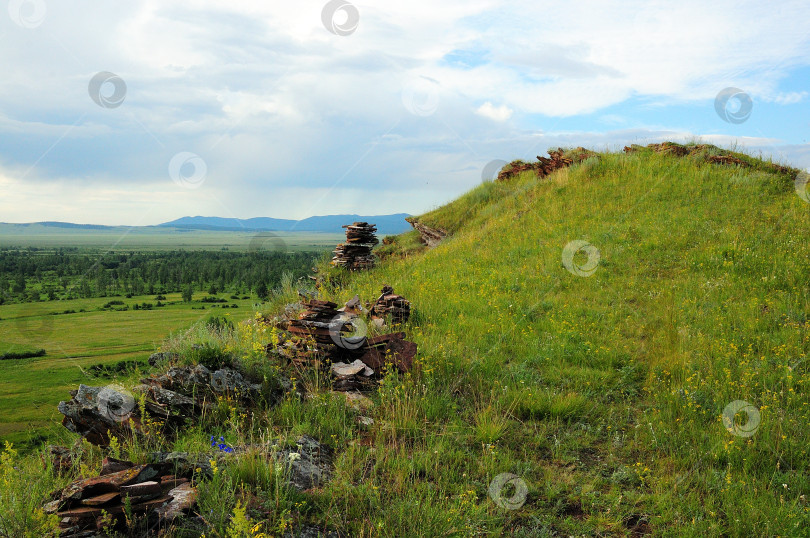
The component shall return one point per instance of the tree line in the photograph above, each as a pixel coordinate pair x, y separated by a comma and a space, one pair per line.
34, 274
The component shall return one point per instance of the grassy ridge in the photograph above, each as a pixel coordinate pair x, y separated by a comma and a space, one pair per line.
602, 393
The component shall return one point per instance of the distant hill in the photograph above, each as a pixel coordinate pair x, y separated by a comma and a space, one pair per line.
69, 225
386, 224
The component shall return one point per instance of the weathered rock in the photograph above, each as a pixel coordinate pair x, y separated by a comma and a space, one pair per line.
430, 236
180, 394
91, 487
183, 499
60, 457
112, 465
96, 412
162, 358
357, 401
353, 306
355, 254
389, 349
390, 305
145, 489
366, 422
342, 369
310, 465
183, 464
104, 498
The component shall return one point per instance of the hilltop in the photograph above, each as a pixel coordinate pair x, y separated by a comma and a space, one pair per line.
624, 334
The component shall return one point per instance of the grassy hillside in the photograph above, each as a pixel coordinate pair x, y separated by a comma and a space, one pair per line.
604, 393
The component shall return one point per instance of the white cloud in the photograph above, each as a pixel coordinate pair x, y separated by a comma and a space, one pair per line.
496, 113
790, 98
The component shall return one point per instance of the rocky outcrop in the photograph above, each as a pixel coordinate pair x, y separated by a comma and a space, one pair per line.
557, 159
708, 153
430, 237
182, 393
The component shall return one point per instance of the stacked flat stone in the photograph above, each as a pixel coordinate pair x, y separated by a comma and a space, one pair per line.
314, 321
391, 304
355, 254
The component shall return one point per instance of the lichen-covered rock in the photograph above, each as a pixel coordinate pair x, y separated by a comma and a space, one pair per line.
95, 413
172, 398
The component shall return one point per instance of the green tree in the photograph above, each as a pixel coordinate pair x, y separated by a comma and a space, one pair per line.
187, 293
19, 284
262, 291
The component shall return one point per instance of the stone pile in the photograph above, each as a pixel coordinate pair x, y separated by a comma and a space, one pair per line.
314, 321
161, 491
361, 368
180, 394
322, 334
152, 492
706, 152
390, 304
355, 254
558, 158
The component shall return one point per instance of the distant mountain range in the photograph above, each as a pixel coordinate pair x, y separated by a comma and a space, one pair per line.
386, 224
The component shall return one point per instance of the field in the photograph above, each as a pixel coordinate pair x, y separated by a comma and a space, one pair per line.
158, 238
31, 388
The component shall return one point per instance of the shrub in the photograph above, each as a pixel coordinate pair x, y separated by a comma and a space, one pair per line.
11, 355
209, 356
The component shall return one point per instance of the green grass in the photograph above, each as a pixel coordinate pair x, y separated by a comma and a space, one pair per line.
31, 388
604, 394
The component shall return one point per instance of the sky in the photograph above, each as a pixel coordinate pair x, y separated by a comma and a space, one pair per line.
141, 112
